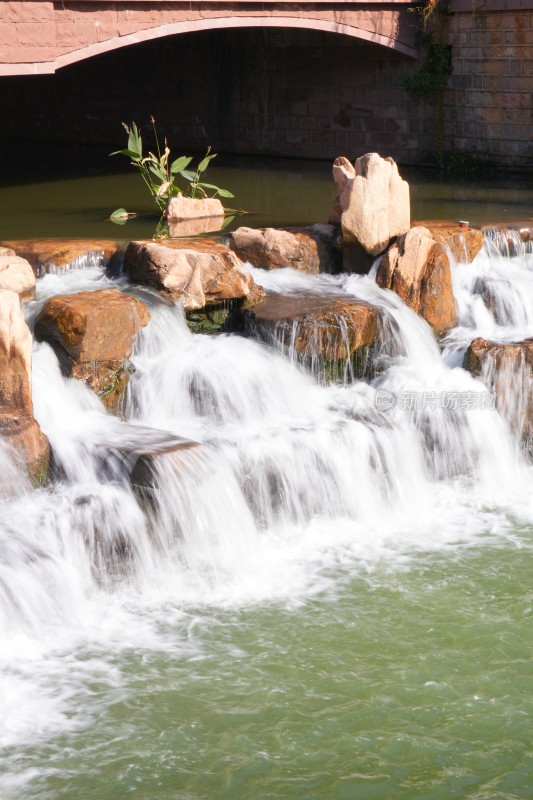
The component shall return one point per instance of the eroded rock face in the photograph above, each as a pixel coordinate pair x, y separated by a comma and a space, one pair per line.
330, 335
15, 354
418, 270
16, 275
374, 202
311, 250
507, 370
61, 255
92, 334
21, 431
197, 272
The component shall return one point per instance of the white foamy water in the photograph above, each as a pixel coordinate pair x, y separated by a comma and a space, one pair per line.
290, 483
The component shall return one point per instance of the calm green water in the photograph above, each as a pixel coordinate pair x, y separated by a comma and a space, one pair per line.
278, 192
403, 684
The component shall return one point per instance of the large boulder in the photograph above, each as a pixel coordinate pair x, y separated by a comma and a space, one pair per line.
20, 430
15, 354
61, 255
199, 272
330, 335
374, 201
313, 250
16, 275
92, 334
417, 268
507, 370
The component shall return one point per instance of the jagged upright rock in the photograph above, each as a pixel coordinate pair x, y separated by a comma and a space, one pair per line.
374, 201
417, 268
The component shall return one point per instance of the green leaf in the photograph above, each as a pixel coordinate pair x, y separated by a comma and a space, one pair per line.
203, 165
126, 152
189, 176
180, 164
157, 172
135, 141
119, 216
221, 192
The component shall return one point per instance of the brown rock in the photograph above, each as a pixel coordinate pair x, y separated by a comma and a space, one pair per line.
198, 272
58, 255
507, 370
180, 208
93, 326
375, 202
15, 354
20, 430
92, 334
418, 270
16, 275
311, 250
323, 329
464, 243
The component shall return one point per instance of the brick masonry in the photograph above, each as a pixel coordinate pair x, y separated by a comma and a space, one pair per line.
269, 90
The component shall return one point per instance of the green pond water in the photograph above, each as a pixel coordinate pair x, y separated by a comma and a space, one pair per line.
406, 684
277, 192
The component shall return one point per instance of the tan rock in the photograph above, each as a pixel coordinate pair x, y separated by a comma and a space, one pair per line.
507, 370
196, 271
58, 255
20, 430
418, 270
375, 203
311, 250
16, 275
194, 227
93, 326
318, 329
15, 354
179, 208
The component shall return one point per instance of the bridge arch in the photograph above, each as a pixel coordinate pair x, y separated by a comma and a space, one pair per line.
381, 34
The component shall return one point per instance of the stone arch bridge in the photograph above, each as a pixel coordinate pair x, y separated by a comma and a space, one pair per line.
40, 36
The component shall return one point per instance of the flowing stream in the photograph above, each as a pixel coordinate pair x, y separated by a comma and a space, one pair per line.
328, 595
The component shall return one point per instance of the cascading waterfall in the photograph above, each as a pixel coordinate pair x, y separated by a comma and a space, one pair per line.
285, 476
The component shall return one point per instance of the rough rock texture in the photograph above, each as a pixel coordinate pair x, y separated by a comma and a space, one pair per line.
60, 255
374, 202
312, 250
418, 270
507, 370
16, 275
319, 331
464, 243
198, 272
185, 208
15, 354
92, 334
93, 326
22, 432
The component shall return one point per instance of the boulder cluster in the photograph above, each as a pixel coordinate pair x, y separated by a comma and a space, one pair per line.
93, 333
